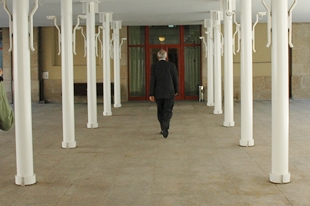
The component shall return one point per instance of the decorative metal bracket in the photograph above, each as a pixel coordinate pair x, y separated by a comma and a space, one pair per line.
30, 24
120, 47
208, 24
98, 39
290, 24
59, 32
217, 17
259, 16
205, 43
111, 47
101, 43
238, 31
77, 27
269, 24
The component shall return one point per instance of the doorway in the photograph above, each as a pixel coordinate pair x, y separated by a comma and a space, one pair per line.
183, 46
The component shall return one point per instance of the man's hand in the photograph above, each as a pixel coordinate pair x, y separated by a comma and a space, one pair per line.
152, 98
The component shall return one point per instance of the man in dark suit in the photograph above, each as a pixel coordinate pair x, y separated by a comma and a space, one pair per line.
163, 88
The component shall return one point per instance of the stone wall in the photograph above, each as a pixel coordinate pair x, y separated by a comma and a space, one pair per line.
8, 71
51, 63
301, 61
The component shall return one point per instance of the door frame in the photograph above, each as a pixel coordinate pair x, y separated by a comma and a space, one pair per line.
181, 70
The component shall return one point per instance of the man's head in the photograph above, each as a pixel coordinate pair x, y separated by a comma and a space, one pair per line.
162, 54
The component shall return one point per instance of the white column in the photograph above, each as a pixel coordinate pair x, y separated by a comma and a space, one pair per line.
216, 17
106, 66
246, 74
22, 95
116, 26
280, 99
210, 96
228, 67
91, 66
67, 75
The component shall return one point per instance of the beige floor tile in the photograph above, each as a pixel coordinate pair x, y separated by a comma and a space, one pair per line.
127, 162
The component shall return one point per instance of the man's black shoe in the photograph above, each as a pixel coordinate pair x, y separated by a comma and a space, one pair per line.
165, 133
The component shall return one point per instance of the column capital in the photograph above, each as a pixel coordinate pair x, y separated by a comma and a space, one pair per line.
207, 23
116, 25
105, 16
86, 6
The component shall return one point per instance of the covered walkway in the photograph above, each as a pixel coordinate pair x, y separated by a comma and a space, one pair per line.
127, 162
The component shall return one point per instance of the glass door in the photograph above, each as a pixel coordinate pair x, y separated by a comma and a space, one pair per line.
183, 46
192, 71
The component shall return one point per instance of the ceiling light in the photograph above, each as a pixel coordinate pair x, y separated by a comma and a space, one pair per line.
161, 38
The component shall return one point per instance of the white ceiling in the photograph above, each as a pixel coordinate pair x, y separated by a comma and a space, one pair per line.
151, 12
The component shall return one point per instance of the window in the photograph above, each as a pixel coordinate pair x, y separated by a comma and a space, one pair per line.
136, 35
136, 61
192, 34
137, 71
164, 35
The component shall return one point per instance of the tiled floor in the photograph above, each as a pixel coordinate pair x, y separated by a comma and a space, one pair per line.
127, 162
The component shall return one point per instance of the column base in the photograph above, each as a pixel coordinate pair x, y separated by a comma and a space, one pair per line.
246, 143
107, 113
229, 124
92, 125
68, 145
210, 104
218, 112
274, 178
30, 180
117, 105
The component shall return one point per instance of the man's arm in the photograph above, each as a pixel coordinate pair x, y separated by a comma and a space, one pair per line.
152, 84
152, 81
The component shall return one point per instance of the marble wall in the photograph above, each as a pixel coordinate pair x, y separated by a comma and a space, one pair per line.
301, 61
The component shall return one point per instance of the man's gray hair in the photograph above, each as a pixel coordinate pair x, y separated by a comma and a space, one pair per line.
162, 54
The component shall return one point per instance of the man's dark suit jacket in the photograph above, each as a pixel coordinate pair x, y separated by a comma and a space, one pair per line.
164, 80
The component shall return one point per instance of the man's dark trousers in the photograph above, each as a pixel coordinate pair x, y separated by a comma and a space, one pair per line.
164, 112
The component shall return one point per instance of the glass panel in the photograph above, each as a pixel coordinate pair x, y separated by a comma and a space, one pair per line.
192, 70
137, 72
154, 55
136, 35
164, 35
173, 56
192, 34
